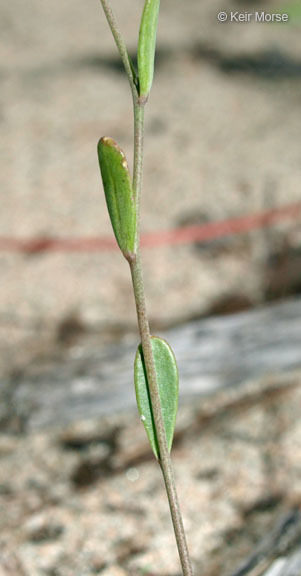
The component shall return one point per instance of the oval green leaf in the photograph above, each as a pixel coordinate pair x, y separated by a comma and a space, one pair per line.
118, 192
168, 384
147, 46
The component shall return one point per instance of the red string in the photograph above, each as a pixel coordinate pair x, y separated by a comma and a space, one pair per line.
184, 235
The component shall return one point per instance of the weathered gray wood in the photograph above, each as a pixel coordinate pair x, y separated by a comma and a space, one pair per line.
285, 536
290, 566
212, 354
293, 565
277, 568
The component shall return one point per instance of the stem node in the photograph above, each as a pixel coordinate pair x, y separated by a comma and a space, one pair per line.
131, 257
142, 100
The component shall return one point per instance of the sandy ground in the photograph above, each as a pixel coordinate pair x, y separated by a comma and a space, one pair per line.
222, 140
88, 499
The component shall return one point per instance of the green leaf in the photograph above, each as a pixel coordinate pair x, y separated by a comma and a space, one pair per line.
168, 384
119, 194
147, 45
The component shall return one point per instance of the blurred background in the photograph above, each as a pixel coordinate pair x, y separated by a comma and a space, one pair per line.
222, 171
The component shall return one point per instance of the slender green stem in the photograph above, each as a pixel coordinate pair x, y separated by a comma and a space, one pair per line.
137, 103
139, 294
165, 460
138, 157
120, 43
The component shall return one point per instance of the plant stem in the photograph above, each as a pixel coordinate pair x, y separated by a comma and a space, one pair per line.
165, 460
138, 158
120, 43
139, 294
